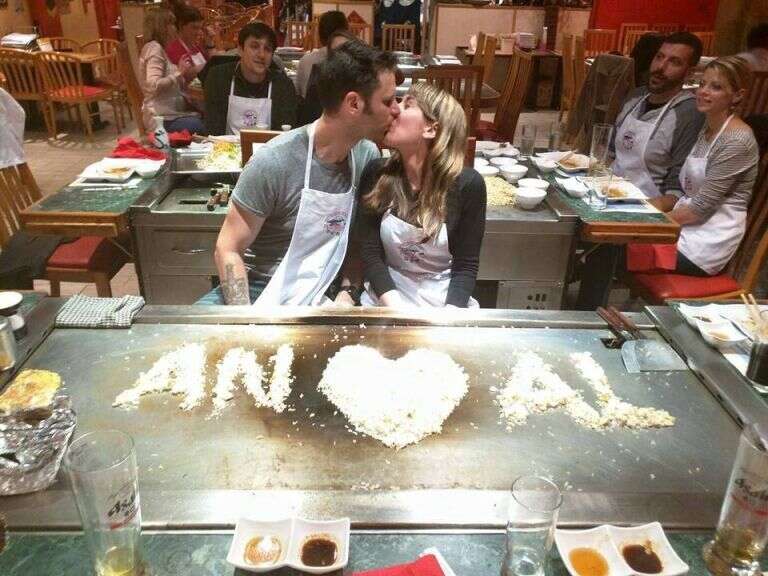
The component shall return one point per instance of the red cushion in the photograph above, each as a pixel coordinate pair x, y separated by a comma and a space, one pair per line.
79, 91
88, 253
666, 286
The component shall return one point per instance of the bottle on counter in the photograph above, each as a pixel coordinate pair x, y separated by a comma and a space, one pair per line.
543, 42
161, 139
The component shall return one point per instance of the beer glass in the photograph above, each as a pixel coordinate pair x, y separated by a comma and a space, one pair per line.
598, 151
527, 140
102, 469
742, 530
533, 509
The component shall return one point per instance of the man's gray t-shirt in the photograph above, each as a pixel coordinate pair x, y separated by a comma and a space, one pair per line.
270, 186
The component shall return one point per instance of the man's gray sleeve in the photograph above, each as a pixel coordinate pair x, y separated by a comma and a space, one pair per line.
255, 189
687, 128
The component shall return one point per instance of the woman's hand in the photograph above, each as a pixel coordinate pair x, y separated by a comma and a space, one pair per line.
187, 70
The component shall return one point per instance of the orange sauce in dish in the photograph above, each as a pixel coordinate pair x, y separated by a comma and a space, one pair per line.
588, 562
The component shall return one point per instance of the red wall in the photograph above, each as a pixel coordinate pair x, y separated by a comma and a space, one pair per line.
613, 13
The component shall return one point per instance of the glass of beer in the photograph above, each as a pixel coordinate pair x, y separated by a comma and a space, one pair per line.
103, 473
742, 531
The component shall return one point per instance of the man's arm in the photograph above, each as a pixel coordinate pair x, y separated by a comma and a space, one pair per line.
238, 232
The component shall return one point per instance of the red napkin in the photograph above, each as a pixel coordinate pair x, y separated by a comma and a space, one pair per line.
424, 566
648, 257
175, 139
129, 148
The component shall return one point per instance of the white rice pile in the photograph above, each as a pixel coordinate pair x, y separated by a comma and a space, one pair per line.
534, 388
237, 364
398, 402
282, 378
181, 371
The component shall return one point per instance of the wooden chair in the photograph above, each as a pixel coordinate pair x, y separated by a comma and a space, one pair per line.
296, 31
61, 44
24, 82
756, 101
623, 48
132, 88
740, 276
631, 38
567, 89
398, 37
485, 54
707, 42
665, 29
87, 259
268, 15
362, 31
209, 14
599, 41
465, 83
250, 137
230, 8
511, 101
63, 83
139, 42
107, 71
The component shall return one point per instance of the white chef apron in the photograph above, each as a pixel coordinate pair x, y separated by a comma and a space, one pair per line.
710, 244
318, 244
198, 60
420, 267
632, 139
243, 113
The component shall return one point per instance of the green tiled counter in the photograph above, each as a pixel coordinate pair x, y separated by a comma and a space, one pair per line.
172, 554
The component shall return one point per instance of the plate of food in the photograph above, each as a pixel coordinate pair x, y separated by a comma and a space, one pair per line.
573, 163
109, 170
624, 191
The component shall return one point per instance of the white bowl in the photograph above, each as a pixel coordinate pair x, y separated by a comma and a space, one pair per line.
513, 173
720, 334
598, 539
671, 563
336, 530
494, 153
10, 301
483, 145
480, 162
533, 183
148, 170
510, 151
529, 198
503, 161
546, 166
245, 529
487, 170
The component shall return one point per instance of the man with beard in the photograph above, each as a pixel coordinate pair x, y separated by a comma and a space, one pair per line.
285, 236
654, 134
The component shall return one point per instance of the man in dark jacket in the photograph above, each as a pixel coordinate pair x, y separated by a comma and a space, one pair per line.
252, 92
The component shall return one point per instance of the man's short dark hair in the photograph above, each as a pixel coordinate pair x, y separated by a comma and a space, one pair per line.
352, 67
758, 37
330, 22
257, 30
186, 15
690, 40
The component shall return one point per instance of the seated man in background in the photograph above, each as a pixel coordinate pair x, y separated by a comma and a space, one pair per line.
654, 134
330, 22
252, 92
285, 237
757, 48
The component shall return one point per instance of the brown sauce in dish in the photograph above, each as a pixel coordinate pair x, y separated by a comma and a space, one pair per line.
263, 550
319, 551
642, 558
588, 562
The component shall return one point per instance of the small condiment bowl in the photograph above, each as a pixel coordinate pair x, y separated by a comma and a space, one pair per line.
720, 334
597, 539
336, 530
545, 165
671, 563
533, 183
247, 529
10, 302
493, 153
513, 173
510, 151
529, 198
483, 145
503, 161
480, 162
487, 170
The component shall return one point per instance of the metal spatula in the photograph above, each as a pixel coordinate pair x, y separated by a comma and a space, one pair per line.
641, 354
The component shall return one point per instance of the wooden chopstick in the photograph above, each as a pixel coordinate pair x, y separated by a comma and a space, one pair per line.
754, 313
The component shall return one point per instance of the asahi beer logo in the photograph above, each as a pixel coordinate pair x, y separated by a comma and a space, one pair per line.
411, 251
749, 497
123, 506
628, 140
336, 223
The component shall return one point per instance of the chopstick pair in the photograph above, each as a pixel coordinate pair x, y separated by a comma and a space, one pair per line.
761, 330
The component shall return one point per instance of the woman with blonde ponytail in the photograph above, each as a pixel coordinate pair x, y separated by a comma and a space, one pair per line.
422, 214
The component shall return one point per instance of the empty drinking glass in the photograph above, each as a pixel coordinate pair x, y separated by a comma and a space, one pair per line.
533, 509
599, 150
527, 140
102, 470
556, 136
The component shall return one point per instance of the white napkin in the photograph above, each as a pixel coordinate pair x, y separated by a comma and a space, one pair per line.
573, 186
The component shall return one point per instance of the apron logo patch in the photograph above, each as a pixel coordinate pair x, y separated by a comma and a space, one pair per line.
628, 141
336, 223
250, 119
411, 251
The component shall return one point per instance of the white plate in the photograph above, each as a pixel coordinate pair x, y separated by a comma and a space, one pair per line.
632, 192
337, 530
582, 163
107, 173
721, 334
598, 539
573, 186
671, 563
709, 313
247, 529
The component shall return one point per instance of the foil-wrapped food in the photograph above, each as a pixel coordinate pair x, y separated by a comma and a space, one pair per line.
32, 444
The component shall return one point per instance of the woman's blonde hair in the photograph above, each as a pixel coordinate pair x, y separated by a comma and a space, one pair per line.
442, 166
156, 22
735, 70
